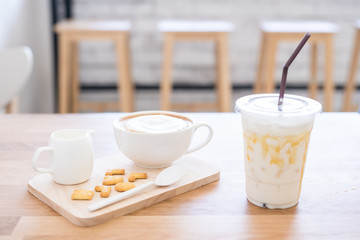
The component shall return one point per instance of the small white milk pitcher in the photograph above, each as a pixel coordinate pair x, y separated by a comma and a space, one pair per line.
71, 156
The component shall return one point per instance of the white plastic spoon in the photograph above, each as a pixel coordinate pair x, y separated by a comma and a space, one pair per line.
165, 178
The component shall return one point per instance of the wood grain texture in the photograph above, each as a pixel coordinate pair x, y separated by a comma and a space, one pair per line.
328, 208
58, 197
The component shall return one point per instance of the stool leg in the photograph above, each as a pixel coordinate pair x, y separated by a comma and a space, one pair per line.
258, 85
223, 75
125, 86
328, 83
270, 47
313, 80
13, 105
64, 72
166, 84
75, 78
350, 85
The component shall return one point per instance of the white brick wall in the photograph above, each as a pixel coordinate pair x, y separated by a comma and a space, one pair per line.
194, 61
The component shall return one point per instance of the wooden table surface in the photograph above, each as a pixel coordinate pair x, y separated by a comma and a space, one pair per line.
329, 206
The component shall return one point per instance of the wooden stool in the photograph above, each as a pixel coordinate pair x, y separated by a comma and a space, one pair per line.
70, 33
350, 85
275, 31
216, 31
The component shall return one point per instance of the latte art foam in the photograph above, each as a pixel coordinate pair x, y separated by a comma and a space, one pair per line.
157, 123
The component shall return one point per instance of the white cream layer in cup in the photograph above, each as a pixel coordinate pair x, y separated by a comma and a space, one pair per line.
157, 123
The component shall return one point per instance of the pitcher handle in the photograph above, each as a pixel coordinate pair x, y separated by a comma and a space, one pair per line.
206, 141
36, 157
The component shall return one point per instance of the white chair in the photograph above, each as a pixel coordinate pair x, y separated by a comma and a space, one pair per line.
15, 68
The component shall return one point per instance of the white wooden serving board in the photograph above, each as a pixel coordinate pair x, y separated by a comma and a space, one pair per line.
58, 197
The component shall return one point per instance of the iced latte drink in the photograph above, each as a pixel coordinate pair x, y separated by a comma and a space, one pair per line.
275, 147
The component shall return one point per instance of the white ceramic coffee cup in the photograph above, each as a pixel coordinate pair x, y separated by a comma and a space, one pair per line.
71, 156
158, 149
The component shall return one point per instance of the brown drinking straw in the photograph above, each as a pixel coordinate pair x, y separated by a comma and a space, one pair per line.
286, 67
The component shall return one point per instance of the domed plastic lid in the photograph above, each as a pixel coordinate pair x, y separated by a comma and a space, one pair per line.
267, 104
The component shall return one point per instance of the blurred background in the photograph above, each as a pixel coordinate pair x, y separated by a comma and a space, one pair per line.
31, 23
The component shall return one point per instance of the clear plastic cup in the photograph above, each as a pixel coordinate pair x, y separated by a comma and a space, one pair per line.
275, 146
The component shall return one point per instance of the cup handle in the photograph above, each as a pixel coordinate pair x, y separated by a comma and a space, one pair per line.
36, 157
206, 141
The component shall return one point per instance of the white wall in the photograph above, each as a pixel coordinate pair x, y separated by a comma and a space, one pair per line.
27, 22
193, 62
